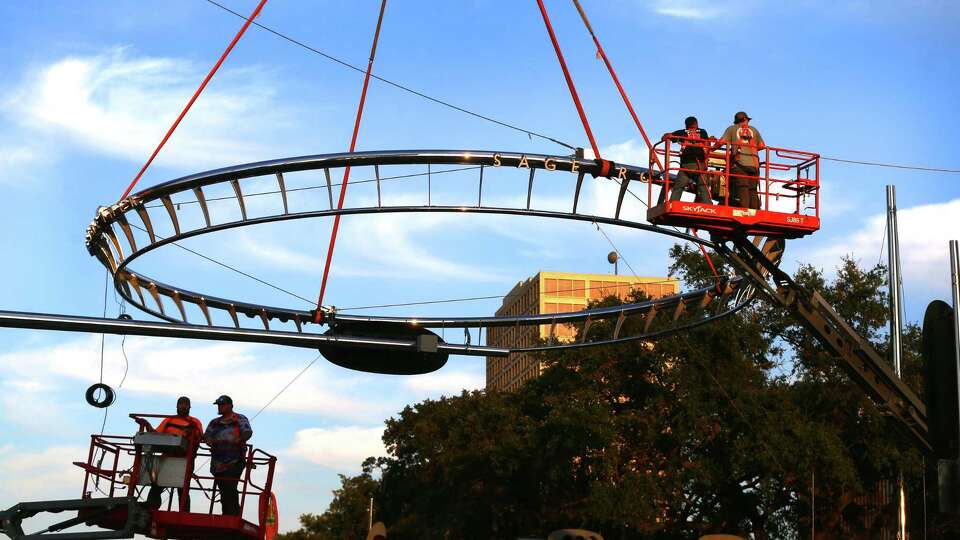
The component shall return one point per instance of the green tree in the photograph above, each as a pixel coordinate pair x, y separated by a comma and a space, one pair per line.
347, 516
724, 428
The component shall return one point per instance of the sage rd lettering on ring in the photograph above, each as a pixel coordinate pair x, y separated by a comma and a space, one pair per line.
551, 165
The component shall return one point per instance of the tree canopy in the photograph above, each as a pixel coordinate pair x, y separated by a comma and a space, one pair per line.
736, 426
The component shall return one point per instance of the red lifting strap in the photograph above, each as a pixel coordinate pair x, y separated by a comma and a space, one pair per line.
196, 94
709, 261
573, 90
318, 315
616, 80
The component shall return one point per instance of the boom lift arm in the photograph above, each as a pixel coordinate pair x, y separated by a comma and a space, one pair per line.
854, 353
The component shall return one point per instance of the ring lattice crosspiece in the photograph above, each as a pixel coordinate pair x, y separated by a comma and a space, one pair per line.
122, 233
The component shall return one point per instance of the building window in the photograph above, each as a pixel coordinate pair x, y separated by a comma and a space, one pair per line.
603, 289
551, 286
578, 289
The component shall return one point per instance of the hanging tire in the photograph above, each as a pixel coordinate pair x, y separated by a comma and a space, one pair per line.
108, 396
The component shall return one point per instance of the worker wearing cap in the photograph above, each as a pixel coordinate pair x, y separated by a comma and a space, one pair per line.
184, 425
745, 143
227, 436
693, 142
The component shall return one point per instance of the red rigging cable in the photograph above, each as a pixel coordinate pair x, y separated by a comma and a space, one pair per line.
318, 316
236, 38
307, 47
573, 89
709, 260
616, 80
633, 113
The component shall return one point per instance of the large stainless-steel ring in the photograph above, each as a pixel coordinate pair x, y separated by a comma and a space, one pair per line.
112, 239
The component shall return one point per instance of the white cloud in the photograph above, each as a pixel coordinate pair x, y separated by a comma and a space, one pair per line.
121, 105
25, 403
338, 448
12, 156
631, 152
250, 374
602, 194
445, 382
388, 243
374, 246
277, 256
688, 12
39, 474
924, 234
689, 9
700, 10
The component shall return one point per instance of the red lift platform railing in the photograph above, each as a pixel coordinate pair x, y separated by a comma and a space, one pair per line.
119, 468
788, 186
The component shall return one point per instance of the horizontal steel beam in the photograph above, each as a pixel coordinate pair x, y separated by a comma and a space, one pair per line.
67, 323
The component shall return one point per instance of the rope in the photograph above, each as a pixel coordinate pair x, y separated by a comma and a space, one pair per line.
633, 113
284, 389
196, 94
228, 267
883, 242
616, 81
609, 241
709, 260
106, 282
746, 421
274, 398
394, 84
346, 173
323, 186
103, 337
703, 250
492, 296
530, 133
891, 165
573, 89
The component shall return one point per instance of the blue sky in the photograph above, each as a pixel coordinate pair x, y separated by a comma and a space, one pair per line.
89, 88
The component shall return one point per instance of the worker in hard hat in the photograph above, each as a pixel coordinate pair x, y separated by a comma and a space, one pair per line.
745, 144
186, 426
693, 159
227, 436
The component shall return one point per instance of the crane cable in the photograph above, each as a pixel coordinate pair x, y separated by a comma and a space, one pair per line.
605, 165
183, 113
318, 316
616, 80
299, 43
294, 41
626, 101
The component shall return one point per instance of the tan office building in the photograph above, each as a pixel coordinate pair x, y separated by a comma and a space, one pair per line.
555, 292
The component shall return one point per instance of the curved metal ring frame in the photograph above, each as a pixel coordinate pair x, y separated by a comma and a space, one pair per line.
661, 316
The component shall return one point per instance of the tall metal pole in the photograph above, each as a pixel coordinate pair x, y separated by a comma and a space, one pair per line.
894, 286
955, 287
896, 329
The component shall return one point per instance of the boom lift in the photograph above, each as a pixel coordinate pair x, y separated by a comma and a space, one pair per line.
119, 467
854, 353
789, 186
